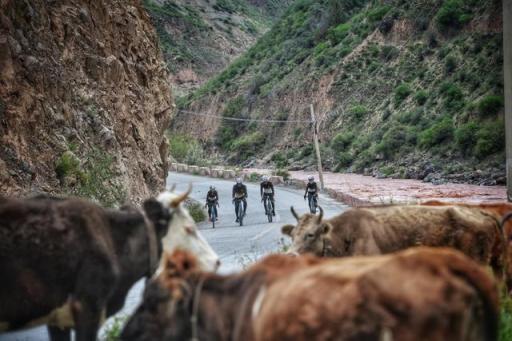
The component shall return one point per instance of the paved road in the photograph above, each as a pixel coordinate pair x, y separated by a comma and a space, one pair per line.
237, 246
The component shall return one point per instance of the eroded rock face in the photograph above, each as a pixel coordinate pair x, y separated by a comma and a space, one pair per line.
87, 77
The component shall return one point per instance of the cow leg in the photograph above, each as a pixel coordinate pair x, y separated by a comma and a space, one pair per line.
98, 276
58, 334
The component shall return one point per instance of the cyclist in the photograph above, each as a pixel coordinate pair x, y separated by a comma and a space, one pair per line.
311, 190
212, 201
267, 191
240, 192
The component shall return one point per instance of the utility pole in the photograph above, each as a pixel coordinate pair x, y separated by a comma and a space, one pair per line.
317, 145
507, 72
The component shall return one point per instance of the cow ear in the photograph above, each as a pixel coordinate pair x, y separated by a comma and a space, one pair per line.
287, 229
325, 228
157, 214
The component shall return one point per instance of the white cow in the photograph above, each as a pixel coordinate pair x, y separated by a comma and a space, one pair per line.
183, 232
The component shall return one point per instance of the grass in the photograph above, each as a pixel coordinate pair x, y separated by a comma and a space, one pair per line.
113, 331
196, 211
505, 331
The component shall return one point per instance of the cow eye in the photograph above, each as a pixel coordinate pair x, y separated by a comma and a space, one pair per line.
310, 235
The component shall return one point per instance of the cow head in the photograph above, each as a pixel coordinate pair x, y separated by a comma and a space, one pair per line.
310, 233
183, 233
168, 302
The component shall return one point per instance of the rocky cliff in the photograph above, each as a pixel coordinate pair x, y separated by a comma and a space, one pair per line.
402, 88
84, 100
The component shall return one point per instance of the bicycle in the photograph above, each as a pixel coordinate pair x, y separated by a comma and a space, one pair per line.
212, 212
239, 210
269, 207
312, 203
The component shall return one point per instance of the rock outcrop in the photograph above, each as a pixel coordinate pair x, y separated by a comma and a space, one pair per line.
84, 100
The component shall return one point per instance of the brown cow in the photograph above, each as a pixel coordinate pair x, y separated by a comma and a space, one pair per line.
501, 211
418, 294
384, 229
67, 263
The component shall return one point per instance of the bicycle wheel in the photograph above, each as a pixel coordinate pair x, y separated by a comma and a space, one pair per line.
240, 214
312, 206
268, 208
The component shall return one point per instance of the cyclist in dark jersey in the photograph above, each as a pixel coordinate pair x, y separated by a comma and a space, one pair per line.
212, 201
267, 190
240, 192
311, 190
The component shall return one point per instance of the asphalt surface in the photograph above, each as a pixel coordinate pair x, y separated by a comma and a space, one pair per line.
237, 246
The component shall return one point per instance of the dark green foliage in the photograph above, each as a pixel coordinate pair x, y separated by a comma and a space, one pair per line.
345, 159
67, 165
465, 137
401, 93
450, 64
421, 97
453, 14
358, 112
490, 105
392, 141
230, 130
490, 139
342, 141
438, 133
280, 160
378, 13
248, 145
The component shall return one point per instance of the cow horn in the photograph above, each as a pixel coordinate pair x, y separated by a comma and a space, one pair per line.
321, 215
174, 203
294, 213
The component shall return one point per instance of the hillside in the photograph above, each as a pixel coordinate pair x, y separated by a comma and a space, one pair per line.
84, 100
199, 38
408, 89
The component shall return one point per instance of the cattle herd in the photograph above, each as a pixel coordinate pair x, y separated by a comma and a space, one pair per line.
393, 272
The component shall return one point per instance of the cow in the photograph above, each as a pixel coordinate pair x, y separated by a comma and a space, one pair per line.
384, 229
69, 263
501, 211
418, 294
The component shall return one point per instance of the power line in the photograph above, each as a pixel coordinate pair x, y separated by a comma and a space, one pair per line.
243, 119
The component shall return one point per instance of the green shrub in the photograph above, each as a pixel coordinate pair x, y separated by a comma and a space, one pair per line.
67, 165
401, 93
421, 97
376, 14
392, 141
465, 136
196, 211
114, 329
452, 14
284, 173
490, 139
338, 33
505, 330
248, 145
358, 112
439, 132
254, 177
345, 159
280, 160
490, 105
450, 64
342, 141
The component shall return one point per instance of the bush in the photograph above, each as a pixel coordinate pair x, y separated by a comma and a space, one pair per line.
340, 32
401, 93
465, 136
196, 211
254, 177
452, 14
358, 112
450, 64
341, 142
67, 165
280, 160
392, 141
378, 13
439, 132
490, 105
421, 97
284, 173
490, 139
248, 145
345, 159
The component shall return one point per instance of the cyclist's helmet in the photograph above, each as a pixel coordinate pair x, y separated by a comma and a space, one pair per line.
212, 188
238, 180
311, 178
264, 178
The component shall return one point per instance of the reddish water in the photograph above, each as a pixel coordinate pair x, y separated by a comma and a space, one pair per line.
367, 189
